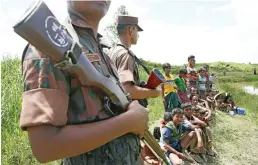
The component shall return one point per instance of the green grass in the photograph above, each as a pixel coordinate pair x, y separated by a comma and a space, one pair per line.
240, 78
216, 67
15, 145
15, 148
256, 85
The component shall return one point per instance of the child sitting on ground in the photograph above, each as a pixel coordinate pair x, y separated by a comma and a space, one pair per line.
177, 136
194, 100
157, 136
228, 104
196, 152
210, 100
198, 118
200, 114
193, 92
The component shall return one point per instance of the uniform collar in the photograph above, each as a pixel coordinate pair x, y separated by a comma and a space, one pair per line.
75, 20
120, 43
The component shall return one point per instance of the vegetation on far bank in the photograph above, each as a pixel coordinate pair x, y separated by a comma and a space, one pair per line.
15, 146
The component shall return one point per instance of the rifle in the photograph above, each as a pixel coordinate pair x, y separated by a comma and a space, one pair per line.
40, 28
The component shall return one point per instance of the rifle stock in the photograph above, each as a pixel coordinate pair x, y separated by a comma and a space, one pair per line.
40, 28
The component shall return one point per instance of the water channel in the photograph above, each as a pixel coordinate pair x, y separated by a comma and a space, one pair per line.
251, 89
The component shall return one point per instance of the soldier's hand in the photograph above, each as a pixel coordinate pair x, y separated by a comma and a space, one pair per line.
149, 157
138, 117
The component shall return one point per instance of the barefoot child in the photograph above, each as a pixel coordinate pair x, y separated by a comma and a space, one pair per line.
196, 152
177, 136
203, 115
194, 100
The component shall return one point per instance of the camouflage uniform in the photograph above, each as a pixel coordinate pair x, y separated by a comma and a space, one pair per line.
52, 96
123, 58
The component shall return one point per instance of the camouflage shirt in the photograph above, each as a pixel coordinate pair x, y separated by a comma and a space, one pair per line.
52, 96
126, 65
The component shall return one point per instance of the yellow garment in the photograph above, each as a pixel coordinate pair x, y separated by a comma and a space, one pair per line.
169, 85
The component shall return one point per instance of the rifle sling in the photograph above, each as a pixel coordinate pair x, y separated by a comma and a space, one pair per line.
137, 60
87, 45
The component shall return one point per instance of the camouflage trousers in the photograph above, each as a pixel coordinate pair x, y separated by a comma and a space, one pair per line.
124, 150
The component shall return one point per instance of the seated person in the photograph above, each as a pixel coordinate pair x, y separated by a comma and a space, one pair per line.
200, 114
210, 100
157, 135
196, 152
194, 100
177, 136
193, 91
228, 104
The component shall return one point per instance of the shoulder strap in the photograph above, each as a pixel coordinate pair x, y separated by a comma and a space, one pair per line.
70, 28
78, 39
137, 60
23, 55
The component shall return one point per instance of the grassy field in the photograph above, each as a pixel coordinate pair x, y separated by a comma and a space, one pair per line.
230, 134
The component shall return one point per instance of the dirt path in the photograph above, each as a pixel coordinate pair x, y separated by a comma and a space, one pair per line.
235, 140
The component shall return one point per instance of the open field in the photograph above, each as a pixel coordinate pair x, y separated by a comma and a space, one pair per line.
235, 138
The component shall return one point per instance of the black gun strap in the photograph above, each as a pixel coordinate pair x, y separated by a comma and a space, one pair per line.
137, 60
23, 55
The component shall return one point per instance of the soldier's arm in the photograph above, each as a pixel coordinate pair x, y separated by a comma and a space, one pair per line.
125, 66
51, 143
44, 115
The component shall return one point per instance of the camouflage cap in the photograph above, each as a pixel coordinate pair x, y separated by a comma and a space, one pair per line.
128, 20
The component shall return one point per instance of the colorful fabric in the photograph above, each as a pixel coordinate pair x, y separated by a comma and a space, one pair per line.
169, 85
193, 72
172, 102
173, 134
180, 83
183, 96
56, 97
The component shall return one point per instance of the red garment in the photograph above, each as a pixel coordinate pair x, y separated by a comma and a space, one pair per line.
183, 96
163, 123
206, 75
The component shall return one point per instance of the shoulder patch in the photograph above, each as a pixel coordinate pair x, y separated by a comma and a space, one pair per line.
93, 57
